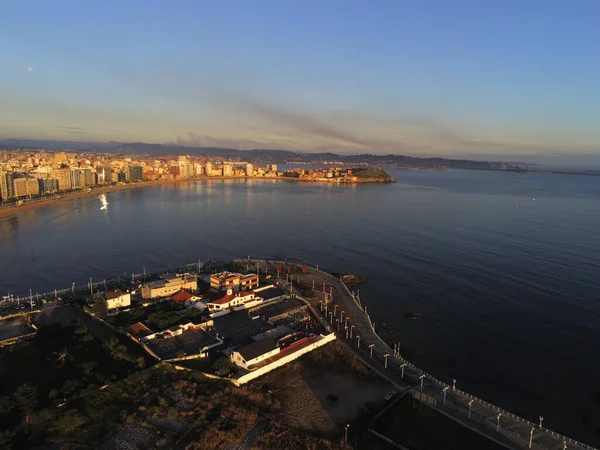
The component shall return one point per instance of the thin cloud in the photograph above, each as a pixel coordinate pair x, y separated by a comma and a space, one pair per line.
30, 69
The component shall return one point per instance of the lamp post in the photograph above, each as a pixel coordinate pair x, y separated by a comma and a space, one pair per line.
541, 420
342, 314
338, 324
498, 424
371, 347
454, 384
330, 316
531, 436
346, 323
444, 391
346, 434
402, 367
386, 357
351, 330
358, 341
421, 378
346, 333
335, 310
470, 406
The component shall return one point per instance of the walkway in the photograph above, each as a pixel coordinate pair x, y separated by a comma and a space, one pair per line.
354, 328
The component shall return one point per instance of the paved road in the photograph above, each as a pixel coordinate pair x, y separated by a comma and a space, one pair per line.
508, 430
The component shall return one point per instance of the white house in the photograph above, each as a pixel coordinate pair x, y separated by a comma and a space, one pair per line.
232, 300
254, 353
117, 299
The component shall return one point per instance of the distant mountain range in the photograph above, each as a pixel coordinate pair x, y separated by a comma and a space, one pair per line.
260, 155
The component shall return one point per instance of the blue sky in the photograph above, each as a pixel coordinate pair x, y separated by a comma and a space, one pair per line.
443, 77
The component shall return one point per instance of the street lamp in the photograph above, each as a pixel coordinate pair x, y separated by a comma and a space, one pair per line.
470, 405
454, 384
346, 434
402, 367
498, 424
342, 314
531, 436
541, 420
371, 347
421, 378
338, 324
335, 310
351, 330
386, 357
444, 390
346, 323
330, 316
346, 333
358, 341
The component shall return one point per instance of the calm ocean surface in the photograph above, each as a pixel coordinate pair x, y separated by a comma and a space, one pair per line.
504, 267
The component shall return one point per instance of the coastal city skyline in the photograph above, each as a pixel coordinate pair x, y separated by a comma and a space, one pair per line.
428, 79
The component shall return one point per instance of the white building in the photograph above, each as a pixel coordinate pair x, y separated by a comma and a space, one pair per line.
209, 169
249, 170
255, 353
227, 170
168, 285
117, 299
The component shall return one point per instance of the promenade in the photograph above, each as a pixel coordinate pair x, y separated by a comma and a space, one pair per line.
349, 319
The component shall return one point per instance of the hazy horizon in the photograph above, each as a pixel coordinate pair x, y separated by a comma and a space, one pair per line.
422, 79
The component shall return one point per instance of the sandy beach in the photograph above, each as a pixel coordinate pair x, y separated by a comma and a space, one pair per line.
5, 213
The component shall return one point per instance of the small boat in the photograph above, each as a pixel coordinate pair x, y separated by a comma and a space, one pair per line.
412, 315
353, 279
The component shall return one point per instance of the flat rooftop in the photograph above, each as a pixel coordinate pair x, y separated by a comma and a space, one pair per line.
238, 327
190, 342
276, 308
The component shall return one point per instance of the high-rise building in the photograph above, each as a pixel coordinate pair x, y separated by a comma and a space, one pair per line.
25, 186
63, 176
87, 178
3, 186
10, 184
227, 170
273, 167
105, 175
76, 178
47, 185
208, 169
121, 177
136, 173
249, 170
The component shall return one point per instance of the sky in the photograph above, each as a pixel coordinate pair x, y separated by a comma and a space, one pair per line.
445, 77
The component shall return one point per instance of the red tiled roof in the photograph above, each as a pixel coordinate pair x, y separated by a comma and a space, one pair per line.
222, 300
113, 294
181, 296
138, 329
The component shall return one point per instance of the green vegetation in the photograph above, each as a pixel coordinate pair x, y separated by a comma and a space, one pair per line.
100, 307
223, 366
372, 173
159, 312
59, 364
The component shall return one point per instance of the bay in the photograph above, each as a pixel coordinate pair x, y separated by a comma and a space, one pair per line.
502, 266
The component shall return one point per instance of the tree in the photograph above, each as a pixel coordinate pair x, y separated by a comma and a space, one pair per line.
26, 398
70, 387
100, 307
6, 406
222, 366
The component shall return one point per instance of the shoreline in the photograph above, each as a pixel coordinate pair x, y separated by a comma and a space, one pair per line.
12, 211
